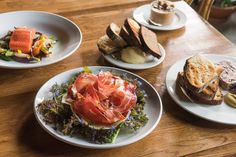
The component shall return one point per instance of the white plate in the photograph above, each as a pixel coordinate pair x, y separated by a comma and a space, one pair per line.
153, 109
218, 113
152, 63
65, 31
141, 15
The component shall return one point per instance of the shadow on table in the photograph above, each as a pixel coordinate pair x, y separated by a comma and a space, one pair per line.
32, 136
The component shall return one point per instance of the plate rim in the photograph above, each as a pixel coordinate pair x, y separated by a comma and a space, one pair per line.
161, 28
132, 66
92, 145
178, 102
47, 63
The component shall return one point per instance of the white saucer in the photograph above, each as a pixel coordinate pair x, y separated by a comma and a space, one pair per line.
141, 15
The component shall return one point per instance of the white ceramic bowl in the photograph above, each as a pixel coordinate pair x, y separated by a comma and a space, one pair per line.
65, 31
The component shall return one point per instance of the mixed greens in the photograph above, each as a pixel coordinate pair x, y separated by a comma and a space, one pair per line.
62, 118
41, 45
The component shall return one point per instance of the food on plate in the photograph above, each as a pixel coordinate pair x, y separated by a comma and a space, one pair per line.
200, 72
200, 80
162, 12
130, 35
230, 99
106, 45
133, 55
95, 106
228, 76
113, 32
149, 42
204, 96
25, 45
133, 29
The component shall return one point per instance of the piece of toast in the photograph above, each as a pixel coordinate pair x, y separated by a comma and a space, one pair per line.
126, 36
216, 99
149, 42
113, 31
200, 72
106, 45
133, 29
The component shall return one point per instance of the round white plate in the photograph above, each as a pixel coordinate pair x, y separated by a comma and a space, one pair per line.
153, 109
218, 113
65, 31
141, 15
152, 63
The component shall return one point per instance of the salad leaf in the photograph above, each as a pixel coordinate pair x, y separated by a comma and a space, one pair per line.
6, 58
63, 119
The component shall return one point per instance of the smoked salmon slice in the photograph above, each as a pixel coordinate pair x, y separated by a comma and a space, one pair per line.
102, 99
22, 39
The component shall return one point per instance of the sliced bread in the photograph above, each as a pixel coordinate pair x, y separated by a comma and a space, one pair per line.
201, 97
149, 42
106, 45
200, 72
113, 31
133, 29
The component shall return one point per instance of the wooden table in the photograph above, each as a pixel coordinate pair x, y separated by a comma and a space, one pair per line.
178, 133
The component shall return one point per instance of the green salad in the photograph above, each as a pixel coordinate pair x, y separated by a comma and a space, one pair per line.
67, 120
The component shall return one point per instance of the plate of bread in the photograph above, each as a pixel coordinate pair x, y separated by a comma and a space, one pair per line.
205, 85
160, 15
131, 46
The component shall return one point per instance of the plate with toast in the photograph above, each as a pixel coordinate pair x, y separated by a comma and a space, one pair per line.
142, 16
131, 46
205, 85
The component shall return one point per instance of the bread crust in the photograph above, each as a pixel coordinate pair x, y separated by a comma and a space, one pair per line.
200, 73
133, 29
149, 42
199, 97
113, 32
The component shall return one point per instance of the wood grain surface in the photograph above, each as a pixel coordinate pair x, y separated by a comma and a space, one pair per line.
178, 133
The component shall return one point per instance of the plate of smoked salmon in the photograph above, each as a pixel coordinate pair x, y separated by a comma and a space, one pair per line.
98, 107
36, 39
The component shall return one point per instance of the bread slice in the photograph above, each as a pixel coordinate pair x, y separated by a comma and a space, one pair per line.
106, 45
200, 72
149, 42
202, 97
126, 36
113, 32
133, 29
228, 76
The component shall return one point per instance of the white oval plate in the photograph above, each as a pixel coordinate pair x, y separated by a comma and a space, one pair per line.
65, 31
142, 13
147, 65
153, 109
217, 113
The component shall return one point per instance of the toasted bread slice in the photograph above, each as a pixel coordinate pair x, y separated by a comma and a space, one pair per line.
126, 36
106, 45
200, 72
133, 29
113, 32
202, 97
149, 42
